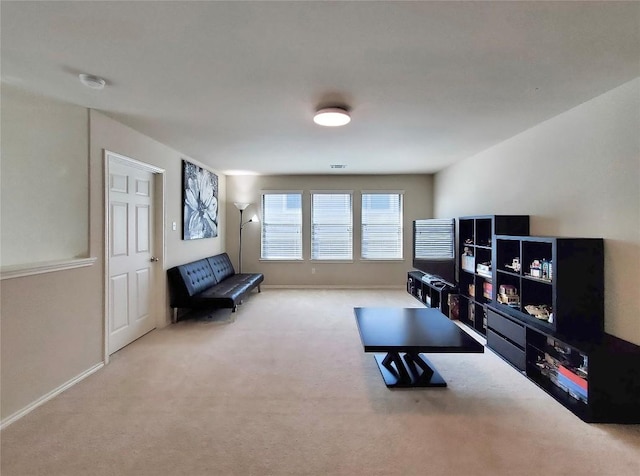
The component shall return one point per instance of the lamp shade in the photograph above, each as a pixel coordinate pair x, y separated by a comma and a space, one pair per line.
241, 206
332, 117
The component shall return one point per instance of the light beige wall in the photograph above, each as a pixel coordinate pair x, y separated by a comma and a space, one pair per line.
577, 174
52, 326
417, 204
109, 134
43, 179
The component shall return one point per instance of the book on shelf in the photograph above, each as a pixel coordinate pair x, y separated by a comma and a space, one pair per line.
581, 382
570, 386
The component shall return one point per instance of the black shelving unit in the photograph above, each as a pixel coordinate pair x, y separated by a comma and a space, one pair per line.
546, 318
476, 236
554, 284
432, 293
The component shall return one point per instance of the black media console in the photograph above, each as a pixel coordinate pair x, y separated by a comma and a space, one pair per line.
430, 290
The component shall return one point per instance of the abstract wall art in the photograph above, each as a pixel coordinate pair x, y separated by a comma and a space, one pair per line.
200, 202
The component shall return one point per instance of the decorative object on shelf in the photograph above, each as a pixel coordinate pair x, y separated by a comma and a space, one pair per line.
467, 260
508, 290
535, 269
514, 266
484, 269
508, 295
453, 300
541, 312
200, 202
487, 290
242, 207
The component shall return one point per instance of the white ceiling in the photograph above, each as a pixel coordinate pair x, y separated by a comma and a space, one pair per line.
235, 84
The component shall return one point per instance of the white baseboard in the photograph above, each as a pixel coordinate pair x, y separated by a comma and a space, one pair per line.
57, 391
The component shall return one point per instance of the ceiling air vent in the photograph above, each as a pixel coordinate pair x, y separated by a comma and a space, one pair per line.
338, 166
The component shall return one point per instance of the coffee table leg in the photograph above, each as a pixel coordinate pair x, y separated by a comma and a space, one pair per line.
393, 370
399, 371
414, 361
424, 374
410, 370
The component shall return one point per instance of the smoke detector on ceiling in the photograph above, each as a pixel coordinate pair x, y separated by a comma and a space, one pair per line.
91, 81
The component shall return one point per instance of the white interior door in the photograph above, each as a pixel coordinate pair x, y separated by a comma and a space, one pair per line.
130, 254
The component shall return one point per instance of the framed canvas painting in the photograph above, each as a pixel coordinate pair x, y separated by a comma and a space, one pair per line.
200, 202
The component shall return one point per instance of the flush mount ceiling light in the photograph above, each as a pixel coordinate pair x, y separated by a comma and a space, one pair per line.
91, 81
332, 117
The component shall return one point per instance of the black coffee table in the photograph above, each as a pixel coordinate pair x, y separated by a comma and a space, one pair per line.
391, 331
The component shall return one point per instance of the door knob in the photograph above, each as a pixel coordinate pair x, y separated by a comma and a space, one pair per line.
154, 259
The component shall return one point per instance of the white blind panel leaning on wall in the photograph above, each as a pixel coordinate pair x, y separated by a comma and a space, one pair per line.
434, 239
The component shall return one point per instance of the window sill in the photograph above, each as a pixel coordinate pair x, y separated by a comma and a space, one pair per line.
332, 261
284, 260
382, 260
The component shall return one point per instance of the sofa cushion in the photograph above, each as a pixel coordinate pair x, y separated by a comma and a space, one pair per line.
230, 291
221, 266
197, 276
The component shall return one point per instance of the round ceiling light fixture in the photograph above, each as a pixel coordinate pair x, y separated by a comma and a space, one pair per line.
332, 117
91, 81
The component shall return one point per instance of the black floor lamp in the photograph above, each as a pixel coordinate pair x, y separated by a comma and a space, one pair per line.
242, 207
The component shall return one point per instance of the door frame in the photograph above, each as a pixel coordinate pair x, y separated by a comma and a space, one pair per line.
159, 187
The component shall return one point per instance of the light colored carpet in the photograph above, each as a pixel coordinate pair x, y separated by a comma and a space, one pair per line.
286, 389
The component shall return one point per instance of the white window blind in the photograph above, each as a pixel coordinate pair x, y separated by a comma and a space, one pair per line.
381, 226
331, 226
281, 237
434, 238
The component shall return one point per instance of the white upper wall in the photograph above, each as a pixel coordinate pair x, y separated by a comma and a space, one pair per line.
44, 179
576, 175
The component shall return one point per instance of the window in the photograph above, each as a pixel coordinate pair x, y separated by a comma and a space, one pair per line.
382, 225
331, 226
281, 237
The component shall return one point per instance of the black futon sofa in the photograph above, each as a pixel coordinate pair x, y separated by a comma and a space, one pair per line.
209, 283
